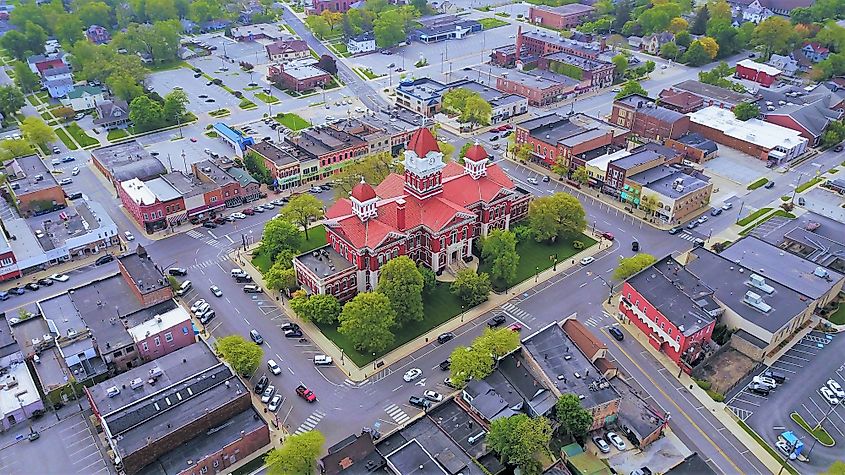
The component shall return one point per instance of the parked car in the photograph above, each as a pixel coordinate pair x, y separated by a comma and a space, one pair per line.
268, 393
450, 383
248, 212
601, 444
419, 402
531, 180
104, 259
829, 396
764, 380
75, 171
293, 333
45, 282
17, 291
252, 289
702, 219
273, 367
32, 286
496, 321
129, 236
784, 447
177, 271
66, 181
635, 246
209, 225
716, 212
778, 377
256, 337
616, 333
238, 215
60, 277
836, 388
617, 441
759, 389
587, 260
769, 185
838, 148
692, 225
433, 396
207, 316
275, 403
412, 374
216, 291
727, 206
219, 220
258, 209
197, 304
305, 393
515, 327
444, 337
675, 230
68, 159
446, 364
607, 236
315, 189
322, 360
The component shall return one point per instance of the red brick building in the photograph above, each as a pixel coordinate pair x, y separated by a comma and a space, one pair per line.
558, 139
647, 120
673, 308
318, 6
332, 147
297, 78
150, 202
431, 214
757, 72
563, 17
164, 334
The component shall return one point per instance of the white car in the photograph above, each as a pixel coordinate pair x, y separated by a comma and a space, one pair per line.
531, 180
273, 367
828, 395
238, 215
587, 260
617, 441
195, 307
66, 181
60, 277
75, 171
202, 308
322, 360
412, 374
727, 206
216, 291
268, 393
765, 380
784, 447
129, 236
275, 403
433, 396
836, 388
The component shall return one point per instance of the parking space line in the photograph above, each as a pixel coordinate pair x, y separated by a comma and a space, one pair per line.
747, 402
804, 352
782, 369
791, 363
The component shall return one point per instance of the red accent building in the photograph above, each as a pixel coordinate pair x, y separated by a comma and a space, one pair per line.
150, 202
673, 308
757, 72
563, 17
431, 214
318, 6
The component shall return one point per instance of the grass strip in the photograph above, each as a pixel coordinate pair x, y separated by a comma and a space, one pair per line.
80, 136
65, 139
758, 183
753, 216
808, 184
819, 433
766, 446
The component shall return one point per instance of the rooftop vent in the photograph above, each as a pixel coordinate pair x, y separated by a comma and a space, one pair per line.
820, 272
759, 282
756, 301
112, 391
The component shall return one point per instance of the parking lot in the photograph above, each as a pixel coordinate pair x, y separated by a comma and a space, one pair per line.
68, 447
807, 367
165, 81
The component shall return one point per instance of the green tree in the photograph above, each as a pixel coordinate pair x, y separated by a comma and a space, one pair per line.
775, 35
372, 169
297, 455
836, 468
16, 44
696, 55
26, 79
146, 113
367, 321
279, 235
471, 287
497, 342
357, 21
470, 106
469, 363
161, 10
710, 46
244, 356
699, 23
747, 110
629, 266
556, 216
175, 106
69, 30
581, 175
35, 37
11, 99
281, 275
10, 149
254, 164
401, 282
630, 88
37, 132
802, 15
26, 12
573, 418
332, 18
391, 27
500, 247
125, 87
622, 15
201, 11
520, 440
94, 13
620, 65
301, 210
429, 280
318, 308
318, 25
683, 39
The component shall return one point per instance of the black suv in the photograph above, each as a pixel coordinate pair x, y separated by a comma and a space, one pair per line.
178, 271
104, 259
616, 333
444, 337
445, 365
419, 402
496, 321
261, 385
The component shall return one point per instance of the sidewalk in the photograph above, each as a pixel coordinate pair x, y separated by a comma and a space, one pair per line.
356, 373
717, 409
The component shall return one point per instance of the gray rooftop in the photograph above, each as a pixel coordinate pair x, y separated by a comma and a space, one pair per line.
322, 140
187, 185
324, 261
824, 245
661, 179
78, 219
570, 9
128, 160
645, 105
162, 189
62, 314
677, 294
713, 92
424, 89
584, 64
8, 345
489, 94
731, 282
214, 173
790, 270
814, 116
304, 72
143, 271
412, 459
695, 140
31, 174
636, 159
560, 359
639, 416
276, 153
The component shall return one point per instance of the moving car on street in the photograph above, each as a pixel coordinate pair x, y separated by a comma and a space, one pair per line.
412, 374
496, 321
273, 367
216, 291
305, 393
419, 402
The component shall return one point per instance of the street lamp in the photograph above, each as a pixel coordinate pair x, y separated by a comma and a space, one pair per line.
609, 286
462, 313
374, 361
536, 274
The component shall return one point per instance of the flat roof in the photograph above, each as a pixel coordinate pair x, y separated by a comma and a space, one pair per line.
277, 154
713, 92
453, 424
25, 393
814, 237
570, 9
8, 344
790, 270
143, 271
424, 89
731, 287
561, 42
603, 161
582, 63
31, 174
677, 294
304, 72
640, 416
128, 160
490, 94
23, 244
322, 140
162, 189
536, 78
61, 314
761, 67
662, 179
636, 159
559, 357
162, 322
647, 106
413, 458
324, 261
214, 173
755, 131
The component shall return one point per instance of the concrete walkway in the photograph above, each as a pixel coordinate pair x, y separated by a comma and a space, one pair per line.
717, 409
355, 373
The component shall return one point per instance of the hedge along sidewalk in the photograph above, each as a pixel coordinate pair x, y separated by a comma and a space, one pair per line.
359, 374
719, 410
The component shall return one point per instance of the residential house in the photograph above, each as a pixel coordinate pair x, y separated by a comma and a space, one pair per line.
780, 7
815, 52
83, 98
39, 63
112, 114
760, 73
563, 17
361, 44
652, 43
753, 12
97, 34
287, 50
787, 64
643, 117
57, 80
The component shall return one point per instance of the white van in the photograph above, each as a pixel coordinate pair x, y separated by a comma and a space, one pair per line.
237, 273
184, 288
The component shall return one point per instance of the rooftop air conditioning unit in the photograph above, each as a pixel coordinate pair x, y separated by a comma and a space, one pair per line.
112, 391
756, 301
136, 383
760, 283
820, 272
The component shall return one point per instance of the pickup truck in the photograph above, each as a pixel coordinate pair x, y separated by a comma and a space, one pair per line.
305, 393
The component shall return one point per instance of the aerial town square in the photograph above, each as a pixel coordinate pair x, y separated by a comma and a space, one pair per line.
418, 237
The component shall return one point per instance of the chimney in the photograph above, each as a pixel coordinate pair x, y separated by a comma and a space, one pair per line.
400, 214
518, 42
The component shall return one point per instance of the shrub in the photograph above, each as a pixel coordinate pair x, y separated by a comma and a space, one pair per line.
577, 245
703, 384
217, 81
716, 396
238, 94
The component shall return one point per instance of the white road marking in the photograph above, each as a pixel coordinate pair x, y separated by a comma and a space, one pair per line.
247, 321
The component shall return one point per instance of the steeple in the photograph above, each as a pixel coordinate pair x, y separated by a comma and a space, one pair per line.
364, 200
475, 161
423, 165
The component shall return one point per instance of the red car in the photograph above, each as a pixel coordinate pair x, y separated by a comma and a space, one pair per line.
248, 212
506, 127
305, 393
515, 327
607, 236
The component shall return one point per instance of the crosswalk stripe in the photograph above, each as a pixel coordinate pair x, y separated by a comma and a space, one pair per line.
401, 420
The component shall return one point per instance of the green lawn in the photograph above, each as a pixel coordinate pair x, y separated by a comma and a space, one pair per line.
490, 23
753, 216
779, 213
65, 139
807, 184
117, 134
440, 307
758, 183
533, 255
80, 136
266, 98
818, 432
292, 121
32, 100
368, 73
838, 317
219, 113
168, 66
316, 238
247, 104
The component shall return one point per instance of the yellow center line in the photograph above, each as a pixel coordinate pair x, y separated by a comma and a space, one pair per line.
681, 411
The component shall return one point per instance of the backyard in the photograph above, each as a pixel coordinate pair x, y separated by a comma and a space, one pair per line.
536, 257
